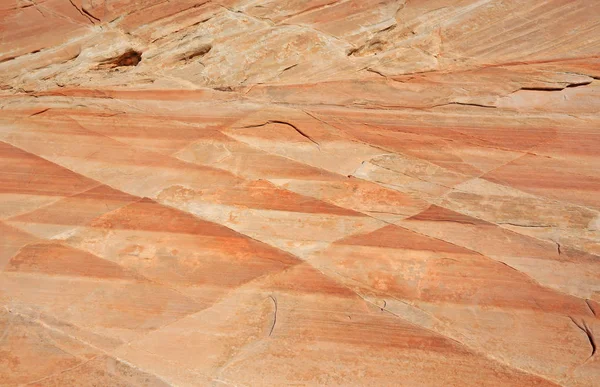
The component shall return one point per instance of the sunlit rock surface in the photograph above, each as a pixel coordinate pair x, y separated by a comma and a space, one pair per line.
320, 192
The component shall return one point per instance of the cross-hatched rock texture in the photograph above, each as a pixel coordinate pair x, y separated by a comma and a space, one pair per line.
300, 193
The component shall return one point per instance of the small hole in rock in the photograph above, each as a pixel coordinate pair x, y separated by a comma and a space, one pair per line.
130, 58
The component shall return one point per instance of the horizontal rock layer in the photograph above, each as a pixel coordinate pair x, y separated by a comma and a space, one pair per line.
241, 192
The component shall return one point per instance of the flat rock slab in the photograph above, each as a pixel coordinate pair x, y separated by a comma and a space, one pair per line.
269, 193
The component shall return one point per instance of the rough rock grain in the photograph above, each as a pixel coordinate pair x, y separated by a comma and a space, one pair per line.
321, 192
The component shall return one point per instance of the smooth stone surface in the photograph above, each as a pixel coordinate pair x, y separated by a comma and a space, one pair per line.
320, 192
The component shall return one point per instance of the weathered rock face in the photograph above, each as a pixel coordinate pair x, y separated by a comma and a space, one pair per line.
318, 192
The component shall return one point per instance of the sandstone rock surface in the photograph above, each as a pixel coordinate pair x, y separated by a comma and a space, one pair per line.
315, 192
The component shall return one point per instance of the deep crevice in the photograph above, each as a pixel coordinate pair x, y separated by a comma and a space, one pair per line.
588, 332
289, 68
591, 308
39, 112
300, 132
83, 13
352, 51
199, 52
572, 85
89, 14
274, 315
556, 88
541, 88
9, 58
376, 72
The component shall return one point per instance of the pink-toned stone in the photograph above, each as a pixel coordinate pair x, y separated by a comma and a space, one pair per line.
322, 192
